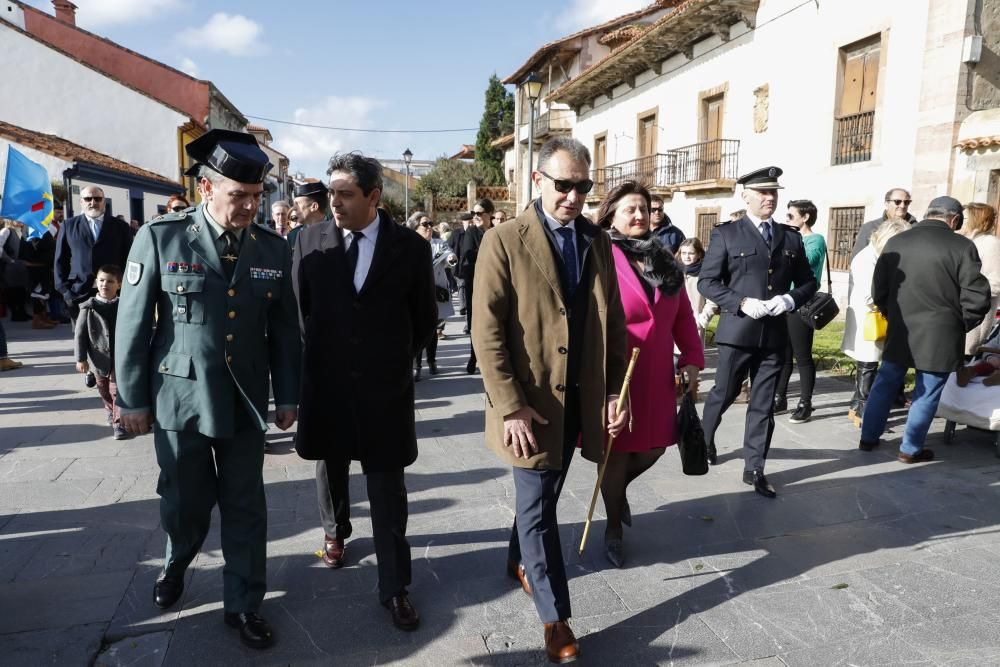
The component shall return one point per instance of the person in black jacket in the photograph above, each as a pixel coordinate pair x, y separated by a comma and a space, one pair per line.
455, 241
482, 220
928, 284
748, 271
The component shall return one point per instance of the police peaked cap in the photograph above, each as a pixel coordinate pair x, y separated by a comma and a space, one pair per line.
310, 188
761, 179
235, 155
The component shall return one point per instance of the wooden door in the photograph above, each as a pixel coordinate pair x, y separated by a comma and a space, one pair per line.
600, 162
710, 151
646, 148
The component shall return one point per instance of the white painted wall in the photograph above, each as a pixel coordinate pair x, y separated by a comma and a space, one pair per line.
46, 91
797, 55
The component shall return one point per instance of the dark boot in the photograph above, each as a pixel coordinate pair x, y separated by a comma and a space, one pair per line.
866, 378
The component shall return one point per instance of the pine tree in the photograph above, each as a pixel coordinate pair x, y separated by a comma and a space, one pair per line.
497, 121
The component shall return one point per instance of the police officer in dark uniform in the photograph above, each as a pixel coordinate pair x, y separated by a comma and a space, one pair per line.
311, 200
748, 270
206, 327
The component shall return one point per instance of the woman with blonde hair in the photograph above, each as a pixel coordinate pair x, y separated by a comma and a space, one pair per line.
980, 227
866, 354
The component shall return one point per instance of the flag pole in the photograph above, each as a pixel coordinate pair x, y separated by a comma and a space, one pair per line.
622, 399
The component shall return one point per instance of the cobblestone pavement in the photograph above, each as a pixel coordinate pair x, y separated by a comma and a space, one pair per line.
860, 559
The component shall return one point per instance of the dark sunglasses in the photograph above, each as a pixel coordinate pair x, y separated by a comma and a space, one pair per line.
656, 209
900, 202
179, 207
95, 198
564, 186
427, 224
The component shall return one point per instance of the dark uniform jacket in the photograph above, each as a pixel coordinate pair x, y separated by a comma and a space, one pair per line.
78, 255
218, 346
739, 264
928, 284
357, 380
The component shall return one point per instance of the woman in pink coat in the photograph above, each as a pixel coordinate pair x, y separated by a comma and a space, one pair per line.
658, 315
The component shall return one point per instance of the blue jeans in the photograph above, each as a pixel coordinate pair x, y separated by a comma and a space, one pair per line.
925, 401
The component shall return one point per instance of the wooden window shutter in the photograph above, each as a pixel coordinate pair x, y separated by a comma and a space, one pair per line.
870, 83
854, 77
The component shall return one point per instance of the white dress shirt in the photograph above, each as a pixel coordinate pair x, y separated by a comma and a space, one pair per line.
555, 225
95, 225
758, 222
366, 251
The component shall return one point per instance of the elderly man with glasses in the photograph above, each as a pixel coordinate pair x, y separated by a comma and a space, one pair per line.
88, 241
897, 207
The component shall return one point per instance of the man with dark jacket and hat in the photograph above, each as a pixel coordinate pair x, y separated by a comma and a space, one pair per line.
749, 269
219, 291
311, 202
365, 288
928, 284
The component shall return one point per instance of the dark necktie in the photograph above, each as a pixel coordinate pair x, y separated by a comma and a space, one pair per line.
230, 253
765, 231
352, 254
569, 258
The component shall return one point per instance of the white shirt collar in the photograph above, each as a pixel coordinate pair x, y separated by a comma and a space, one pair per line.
555, 225
92, 220
370, 232
757, 221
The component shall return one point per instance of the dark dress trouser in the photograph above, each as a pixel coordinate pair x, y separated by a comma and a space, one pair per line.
196, 472
389, 514
764, 368
535, 540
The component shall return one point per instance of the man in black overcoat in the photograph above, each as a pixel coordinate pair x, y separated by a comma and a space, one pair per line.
749, 269
928, 284
365, 289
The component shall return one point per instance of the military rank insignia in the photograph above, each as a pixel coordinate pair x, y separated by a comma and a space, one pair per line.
184, 267
171, 267
133, 273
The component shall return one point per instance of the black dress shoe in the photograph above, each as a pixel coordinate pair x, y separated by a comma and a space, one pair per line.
470, 367
756, 479
416, 375
404, 616
802, 414
254, 630
780, 404
432, 367
713, 456
167, 591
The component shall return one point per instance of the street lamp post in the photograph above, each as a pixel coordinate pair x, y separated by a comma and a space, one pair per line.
532, 88
407, 156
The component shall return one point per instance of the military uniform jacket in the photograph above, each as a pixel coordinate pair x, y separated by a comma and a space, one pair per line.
194, 346
738, 264
357, 379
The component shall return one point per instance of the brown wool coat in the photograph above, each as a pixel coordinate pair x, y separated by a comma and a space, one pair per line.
519, 324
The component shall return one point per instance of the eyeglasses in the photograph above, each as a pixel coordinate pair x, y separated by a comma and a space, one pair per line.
427, 224
479, 213
900, 202
656, 209
564, 186
95, 198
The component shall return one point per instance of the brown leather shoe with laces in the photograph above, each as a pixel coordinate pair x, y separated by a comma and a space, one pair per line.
516, 571
922, 456
560, 643
404, 615
333, 552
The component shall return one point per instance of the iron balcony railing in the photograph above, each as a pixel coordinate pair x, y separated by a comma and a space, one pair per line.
854, 138
705, 161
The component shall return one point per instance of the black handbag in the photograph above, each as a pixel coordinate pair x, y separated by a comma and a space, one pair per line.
691, 440
820, 310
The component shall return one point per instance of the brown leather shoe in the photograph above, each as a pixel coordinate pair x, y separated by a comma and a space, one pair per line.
333, 552
922, 456
560, 643
404, 616
516, 571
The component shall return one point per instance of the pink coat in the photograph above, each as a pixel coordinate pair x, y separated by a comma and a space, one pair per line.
654, 330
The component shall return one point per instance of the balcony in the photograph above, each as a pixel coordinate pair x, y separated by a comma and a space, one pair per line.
853, 142
705, 167
553, 121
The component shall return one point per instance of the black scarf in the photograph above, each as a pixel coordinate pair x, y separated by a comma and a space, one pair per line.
659, 268
692, 269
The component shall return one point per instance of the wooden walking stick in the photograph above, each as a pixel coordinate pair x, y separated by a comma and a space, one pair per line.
622, 398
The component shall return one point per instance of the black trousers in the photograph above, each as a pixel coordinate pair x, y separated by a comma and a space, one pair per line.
389, 514
800, 344
763, 367
534, 541
431, 347
468, 317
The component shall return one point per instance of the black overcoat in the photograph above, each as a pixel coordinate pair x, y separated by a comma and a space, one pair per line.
928, 284
739, 264
357, 377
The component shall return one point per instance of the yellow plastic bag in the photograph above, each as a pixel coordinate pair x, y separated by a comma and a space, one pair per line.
875, 326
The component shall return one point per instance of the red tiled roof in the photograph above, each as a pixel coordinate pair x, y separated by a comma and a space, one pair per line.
254, 127
504, 141
468, 152
542, 52
978, 142
71, 152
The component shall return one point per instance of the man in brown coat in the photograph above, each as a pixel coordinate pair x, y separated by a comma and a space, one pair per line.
549, 332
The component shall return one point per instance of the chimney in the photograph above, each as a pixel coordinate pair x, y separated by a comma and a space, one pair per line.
65, 11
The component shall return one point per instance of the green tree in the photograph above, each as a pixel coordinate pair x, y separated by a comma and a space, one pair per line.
448, 178
497, 121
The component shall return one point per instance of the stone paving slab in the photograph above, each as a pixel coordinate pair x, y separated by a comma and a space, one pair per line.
860, 560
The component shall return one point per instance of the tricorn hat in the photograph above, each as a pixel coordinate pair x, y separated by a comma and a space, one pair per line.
235, 155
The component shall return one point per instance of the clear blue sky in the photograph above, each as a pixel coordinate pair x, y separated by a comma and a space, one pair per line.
382, 64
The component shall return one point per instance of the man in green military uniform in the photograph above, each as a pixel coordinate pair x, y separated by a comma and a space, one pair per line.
311, 203
207, 314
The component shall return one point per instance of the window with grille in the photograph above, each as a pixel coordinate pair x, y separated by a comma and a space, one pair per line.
706, 221
855, 119
844, 225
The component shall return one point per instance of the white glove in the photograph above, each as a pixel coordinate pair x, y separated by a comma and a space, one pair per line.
703, 322
780, 304
754, 308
